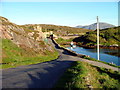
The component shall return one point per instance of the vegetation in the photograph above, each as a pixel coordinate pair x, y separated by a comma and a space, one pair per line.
58, 30
63, 42
108, 37
84, 75
13, 56
5, 21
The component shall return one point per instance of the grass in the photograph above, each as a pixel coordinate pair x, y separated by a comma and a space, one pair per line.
93, 59
62, 41
13, 56
84, 75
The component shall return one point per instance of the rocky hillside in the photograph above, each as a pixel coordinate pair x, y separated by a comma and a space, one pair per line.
23, 46
93, 26
58, 30
23, 37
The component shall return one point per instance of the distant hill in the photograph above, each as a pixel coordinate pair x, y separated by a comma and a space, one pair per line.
93, 26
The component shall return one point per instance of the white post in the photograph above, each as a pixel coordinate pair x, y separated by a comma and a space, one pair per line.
98, 50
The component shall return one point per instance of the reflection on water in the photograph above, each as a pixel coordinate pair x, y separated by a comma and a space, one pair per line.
105, 54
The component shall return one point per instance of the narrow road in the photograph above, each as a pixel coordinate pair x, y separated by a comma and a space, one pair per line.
42, 75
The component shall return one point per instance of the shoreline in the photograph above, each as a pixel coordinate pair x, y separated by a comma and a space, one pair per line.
102, 47
81, 55
93, 47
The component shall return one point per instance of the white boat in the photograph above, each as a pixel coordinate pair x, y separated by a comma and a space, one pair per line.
74, 46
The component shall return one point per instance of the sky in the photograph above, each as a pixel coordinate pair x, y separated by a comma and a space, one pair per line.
60, 0
60, 13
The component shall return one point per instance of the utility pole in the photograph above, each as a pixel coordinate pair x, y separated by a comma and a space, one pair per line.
98, 49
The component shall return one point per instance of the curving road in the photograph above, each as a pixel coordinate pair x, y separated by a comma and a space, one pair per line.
42, 75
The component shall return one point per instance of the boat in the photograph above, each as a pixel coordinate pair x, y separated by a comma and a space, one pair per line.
74, 46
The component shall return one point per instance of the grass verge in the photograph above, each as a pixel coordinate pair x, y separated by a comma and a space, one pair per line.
84, 75
13, 56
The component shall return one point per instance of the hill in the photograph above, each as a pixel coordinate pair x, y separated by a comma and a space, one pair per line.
22, 46
58, 30
93, 26
109, 36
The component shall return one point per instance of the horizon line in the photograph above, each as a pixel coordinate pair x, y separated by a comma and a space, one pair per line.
59, 24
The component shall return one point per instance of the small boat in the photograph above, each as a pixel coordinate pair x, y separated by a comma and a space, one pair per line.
71, 47
74, 46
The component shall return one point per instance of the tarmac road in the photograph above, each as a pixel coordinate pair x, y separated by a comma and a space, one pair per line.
42, 75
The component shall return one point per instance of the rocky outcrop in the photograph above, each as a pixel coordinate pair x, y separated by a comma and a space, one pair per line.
23, 38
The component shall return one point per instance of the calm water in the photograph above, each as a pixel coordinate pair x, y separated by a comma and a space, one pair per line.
103, 54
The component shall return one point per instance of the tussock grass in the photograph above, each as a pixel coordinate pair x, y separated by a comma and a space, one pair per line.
84, 75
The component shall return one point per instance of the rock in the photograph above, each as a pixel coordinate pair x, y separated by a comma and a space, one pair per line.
18, 35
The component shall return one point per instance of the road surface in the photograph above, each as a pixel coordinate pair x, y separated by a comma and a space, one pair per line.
42, 75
